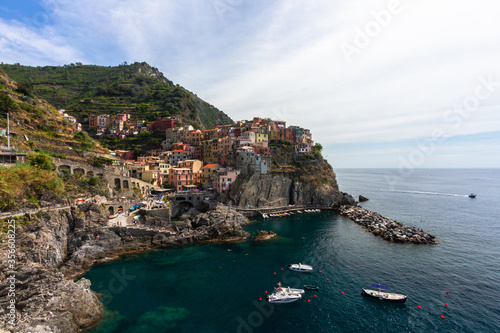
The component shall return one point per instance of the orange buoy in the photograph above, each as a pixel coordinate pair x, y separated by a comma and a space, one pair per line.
419, 306
442, 317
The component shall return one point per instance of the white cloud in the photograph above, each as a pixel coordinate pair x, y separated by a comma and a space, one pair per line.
20, 44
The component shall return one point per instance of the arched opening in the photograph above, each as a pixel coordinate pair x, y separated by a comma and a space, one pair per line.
118, 184
100, 175
90, 173
79, 171
65, 168
185, 206
111, 210
125, 184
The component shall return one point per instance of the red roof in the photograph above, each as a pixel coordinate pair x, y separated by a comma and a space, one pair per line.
210, 166
179, 151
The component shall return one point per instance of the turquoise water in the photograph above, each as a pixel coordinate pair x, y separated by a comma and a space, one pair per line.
206, 288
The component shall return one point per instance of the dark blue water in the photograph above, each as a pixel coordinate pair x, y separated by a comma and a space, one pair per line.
206, 288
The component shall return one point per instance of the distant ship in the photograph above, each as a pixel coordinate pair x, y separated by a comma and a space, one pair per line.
472, 195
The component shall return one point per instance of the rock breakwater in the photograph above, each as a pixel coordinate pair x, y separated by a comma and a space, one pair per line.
386, 228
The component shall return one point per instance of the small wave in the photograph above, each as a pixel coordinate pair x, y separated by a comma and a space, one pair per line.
434, 193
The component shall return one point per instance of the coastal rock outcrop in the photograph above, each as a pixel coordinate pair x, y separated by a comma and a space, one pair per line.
222, 222
53, 245
386, 228
264, 235
268, 190
363, 198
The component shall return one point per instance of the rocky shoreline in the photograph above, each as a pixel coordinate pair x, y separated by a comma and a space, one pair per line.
386, 228
264, 235
52, 246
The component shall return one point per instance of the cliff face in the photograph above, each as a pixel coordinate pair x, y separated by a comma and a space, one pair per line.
53, 244
311, 184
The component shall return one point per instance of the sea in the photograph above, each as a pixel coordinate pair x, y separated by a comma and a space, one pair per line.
452, 286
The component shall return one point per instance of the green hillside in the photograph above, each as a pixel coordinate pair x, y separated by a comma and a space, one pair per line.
138, 89
37, 129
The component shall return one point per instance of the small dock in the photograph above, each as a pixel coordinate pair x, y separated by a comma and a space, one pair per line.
278, 210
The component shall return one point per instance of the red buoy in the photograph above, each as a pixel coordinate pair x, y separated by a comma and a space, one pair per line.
314, 295
419, 306
326, 279
342, 292
281, 268
274, 273
277, 283
445, 304
260, 299
266, 291
308, 301
447, 292
320, 270
442, 317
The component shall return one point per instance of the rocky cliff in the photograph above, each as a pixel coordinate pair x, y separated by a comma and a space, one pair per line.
311, 184
52, 245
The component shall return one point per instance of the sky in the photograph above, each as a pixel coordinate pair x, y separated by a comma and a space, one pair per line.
381, 84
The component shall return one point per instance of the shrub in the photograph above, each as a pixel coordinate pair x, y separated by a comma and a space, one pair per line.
41, 160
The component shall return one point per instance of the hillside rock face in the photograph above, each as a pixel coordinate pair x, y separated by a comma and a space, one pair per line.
270, 190
50, 245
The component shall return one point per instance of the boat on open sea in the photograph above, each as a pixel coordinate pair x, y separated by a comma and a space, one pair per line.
289, 290
472, 195
300, 268
283, 297
383, 295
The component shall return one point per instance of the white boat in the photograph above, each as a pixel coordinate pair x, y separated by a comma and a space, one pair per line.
283, 297
300, 268
265, 216
288, 290
383, 295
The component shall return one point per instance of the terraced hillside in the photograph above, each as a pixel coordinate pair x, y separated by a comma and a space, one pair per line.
138, 89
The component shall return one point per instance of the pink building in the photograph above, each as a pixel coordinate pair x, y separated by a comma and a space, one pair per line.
181, 179
225, 177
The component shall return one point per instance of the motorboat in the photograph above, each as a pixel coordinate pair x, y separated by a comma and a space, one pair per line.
112, 216
309, 287
283, 297
300, 268
472, 195
383, 295
289, 290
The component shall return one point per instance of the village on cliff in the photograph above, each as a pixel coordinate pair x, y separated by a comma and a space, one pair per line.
191, 159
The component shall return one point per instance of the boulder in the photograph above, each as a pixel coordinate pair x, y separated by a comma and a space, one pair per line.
362, 198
